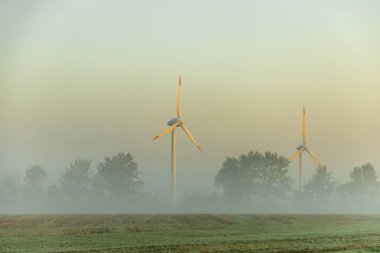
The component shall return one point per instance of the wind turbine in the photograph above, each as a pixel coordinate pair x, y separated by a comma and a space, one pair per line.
301, 148
174, 123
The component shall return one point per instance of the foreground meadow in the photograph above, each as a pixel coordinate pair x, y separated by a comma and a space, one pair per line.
189, 233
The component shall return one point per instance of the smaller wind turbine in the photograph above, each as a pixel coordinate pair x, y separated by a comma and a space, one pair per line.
174, 123
301, 148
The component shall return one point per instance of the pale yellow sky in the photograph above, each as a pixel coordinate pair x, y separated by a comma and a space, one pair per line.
92, 78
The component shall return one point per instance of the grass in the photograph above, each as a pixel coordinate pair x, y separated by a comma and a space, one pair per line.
189, 233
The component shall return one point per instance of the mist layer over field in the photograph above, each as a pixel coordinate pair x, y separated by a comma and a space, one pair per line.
251, 183
85, 83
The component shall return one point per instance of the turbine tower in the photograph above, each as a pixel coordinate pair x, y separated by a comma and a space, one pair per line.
174, 123
301, 148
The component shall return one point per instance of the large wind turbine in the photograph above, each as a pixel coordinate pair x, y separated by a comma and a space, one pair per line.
301, 148
174, 123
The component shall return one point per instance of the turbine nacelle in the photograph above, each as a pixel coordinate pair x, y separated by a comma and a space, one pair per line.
300, 147
174, 121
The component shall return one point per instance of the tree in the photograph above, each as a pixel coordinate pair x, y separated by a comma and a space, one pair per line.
11, 189
35, 179
76, 179
363, 182
54, 202
119, 176
233, 180
53, 194
321, 185
254, 175
318, 191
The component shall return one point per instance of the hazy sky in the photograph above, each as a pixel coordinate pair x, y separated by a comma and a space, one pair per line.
93, 78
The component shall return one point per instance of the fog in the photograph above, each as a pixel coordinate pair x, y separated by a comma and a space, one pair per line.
91, 79
254, 182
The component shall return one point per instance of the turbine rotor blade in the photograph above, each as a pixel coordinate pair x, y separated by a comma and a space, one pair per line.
295, 155
158, 136
315, 158
191, 137
179, 111
304, 126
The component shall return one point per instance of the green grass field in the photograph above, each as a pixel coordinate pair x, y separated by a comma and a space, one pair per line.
189, 233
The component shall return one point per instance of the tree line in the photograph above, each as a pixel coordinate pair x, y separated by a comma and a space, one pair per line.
263, 180
252, 182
